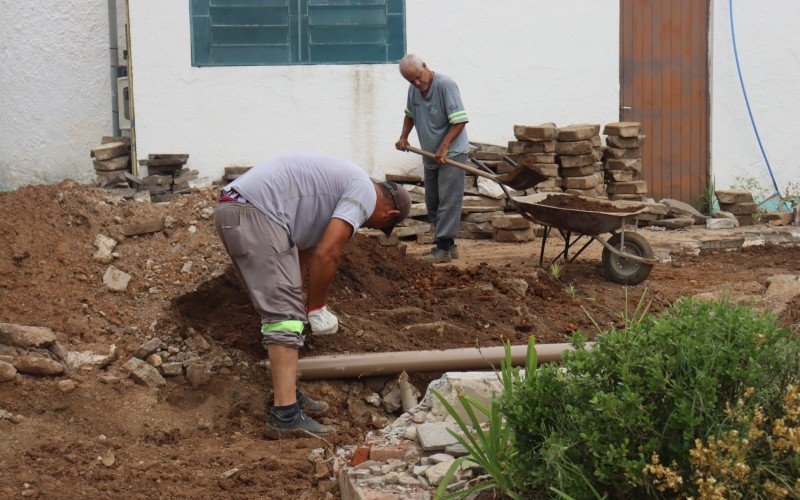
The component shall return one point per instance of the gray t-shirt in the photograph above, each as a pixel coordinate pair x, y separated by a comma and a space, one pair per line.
304, 191
433, 115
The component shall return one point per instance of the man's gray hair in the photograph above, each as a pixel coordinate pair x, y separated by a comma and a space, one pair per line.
412, 61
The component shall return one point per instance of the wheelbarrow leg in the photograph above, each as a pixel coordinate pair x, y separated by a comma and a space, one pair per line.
575, 256
544, 241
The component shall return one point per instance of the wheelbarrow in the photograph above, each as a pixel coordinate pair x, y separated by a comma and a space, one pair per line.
627, 255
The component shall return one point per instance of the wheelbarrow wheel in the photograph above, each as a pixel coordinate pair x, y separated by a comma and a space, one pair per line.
627, 271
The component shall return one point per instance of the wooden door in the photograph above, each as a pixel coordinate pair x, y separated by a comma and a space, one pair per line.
664, 85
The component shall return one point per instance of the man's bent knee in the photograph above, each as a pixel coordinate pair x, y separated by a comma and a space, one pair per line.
286, 333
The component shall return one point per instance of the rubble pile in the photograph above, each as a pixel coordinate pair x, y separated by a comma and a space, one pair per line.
112, 162
579, 150
623, 161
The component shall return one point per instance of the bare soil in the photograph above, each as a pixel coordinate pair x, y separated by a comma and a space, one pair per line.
177, 441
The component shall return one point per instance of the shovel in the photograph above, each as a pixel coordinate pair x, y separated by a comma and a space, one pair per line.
521, 178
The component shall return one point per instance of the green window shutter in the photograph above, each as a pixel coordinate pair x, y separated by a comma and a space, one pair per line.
281, 32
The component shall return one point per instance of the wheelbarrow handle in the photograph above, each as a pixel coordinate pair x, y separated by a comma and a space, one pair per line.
462, 166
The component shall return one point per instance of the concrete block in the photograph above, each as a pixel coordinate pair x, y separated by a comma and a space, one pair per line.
434, 436
578, 171
578, 132
674, 223
623, 129
543, 132
576, 161
721, 242
574, 148
546, 169
583, 182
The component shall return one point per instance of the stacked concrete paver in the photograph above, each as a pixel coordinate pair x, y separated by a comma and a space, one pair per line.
535, 149
623, 161
579, 154
738, 202
112, 162
167, 176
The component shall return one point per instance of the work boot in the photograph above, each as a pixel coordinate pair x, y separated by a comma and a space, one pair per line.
438, 256
453, 252
309, 406
298, 426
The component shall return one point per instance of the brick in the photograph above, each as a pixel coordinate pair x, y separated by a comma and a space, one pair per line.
616, 141
623, 129
112, 164
515, 235
110, 150
587, 193
480, 201
624, 164
543, 132
514, 221
626, 197
144, 227
576, 161
488, 156
574, 148
382, 453
531, 147
634, 187
627, 154
360, 455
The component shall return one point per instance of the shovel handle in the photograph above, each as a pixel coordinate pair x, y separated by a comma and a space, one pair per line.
462, 166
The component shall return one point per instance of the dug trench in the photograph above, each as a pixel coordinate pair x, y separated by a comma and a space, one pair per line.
102, 439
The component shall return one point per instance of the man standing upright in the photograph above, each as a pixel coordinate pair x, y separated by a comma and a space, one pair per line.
434, 106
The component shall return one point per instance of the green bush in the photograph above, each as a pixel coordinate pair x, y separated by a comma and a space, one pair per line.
591, 426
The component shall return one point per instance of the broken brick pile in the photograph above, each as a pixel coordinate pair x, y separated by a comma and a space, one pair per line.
579, 150
111, 162
623, 161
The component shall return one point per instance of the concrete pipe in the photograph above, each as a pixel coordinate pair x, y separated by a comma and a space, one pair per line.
391, 363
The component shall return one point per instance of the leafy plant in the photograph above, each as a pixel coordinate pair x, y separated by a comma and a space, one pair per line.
555, 270
589, 427
570, 290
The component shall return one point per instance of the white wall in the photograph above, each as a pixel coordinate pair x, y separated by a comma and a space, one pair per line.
516, 61
55, 90
769, 53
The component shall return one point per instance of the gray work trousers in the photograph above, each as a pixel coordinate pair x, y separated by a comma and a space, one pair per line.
266, 259
444, 193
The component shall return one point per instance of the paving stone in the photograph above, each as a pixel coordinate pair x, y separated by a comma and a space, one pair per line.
739, 208
622, 175
616, 141
732, 196
536, 158
490, 188
622, 129
148, 348
624, 164
110, 150
624, 153
546, 169
578, 132
435, 435
531, 147
515, 235
576, 161
781, 290
722, 242
543, 132
721, 223
37, 365
680, 209
143, 374
456, 450
482, 217
476, 227
435, 474
512, 221
582, 182
440, 457
25, 336
551, 183
112, 164
674, 223
574, 148
578, 171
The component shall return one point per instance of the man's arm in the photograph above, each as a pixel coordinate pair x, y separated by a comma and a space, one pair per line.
325, 259
449, 137
408, 125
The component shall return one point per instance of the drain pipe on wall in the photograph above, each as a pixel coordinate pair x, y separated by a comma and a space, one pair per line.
113, 59
392, 363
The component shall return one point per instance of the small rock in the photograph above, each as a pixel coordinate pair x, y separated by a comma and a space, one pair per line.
105, 248
316, 454
721, 223
192, 229
197, 374
187, 267
207, 213
25, 336
229, 473
143, 374
392, 397
154, 360
410, 433
436, 473
197, 344
148, 348
169, 221
172, 369
116, 280
109, 459
108, 378
374, 399
419, 469
7, 371
66, 385
440, 457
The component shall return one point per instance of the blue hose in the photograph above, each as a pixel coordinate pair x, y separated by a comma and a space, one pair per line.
747, 102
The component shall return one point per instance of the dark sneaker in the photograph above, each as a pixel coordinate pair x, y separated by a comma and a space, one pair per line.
438, 256
311, 407
453, 252
299, 426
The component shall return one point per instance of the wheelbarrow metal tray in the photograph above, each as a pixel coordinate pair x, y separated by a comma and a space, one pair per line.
590, 223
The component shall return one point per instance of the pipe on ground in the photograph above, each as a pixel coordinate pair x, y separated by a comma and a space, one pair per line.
392, 363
